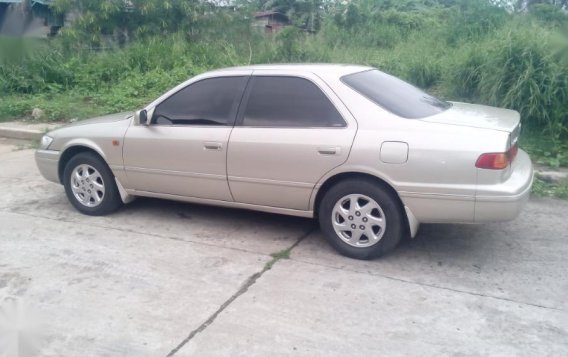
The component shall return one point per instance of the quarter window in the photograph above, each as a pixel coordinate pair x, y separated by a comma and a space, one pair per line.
289, 102
207, 102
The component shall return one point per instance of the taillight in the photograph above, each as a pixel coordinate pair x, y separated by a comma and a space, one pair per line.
497, 160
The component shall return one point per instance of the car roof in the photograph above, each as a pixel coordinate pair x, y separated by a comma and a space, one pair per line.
317, 68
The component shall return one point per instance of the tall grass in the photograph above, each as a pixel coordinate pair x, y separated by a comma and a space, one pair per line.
469, 52
520, 67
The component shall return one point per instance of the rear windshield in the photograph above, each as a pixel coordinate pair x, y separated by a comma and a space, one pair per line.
395, 95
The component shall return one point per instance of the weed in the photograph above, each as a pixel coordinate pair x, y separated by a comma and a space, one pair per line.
545, 189
283, 254
544, 151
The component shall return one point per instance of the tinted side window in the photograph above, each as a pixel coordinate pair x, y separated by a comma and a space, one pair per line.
395, 95
289, 102
207, 102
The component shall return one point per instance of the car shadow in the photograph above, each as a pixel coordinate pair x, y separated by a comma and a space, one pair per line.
193, 211
439, 241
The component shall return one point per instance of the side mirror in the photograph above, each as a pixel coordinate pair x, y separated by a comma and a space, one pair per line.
141, 117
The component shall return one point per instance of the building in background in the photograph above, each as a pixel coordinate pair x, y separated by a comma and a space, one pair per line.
32, 18
270, 21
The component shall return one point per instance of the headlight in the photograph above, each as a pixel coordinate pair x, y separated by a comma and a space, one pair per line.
45, 142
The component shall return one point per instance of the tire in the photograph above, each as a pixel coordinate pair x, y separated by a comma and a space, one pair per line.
85, 176
378, 214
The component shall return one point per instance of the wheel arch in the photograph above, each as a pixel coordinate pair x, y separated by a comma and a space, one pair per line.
411, 224
70, 152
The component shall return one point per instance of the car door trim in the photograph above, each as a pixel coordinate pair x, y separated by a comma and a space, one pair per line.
175, 173
272, 182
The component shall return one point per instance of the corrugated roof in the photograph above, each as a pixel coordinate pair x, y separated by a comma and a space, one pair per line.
269, 13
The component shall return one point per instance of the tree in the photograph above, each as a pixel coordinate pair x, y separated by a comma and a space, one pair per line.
123, 19
525, 4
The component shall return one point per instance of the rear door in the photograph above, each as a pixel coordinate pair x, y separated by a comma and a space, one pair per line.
291, 130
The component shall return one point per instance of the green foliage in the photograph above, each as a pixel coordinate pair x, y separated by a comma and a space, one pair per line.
544, 151
276, 256
549, 14
288, 48
63, 83
545, 189
520, 67
103, 21
115, 59
471, 20
57, 107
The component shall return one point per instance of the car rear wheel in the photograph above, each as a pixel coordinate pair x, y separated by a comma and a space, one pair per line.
90, 186
361, 219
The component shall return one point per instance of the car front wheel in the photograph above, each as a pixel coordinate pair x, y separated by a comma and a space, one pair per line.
361, 219
90, 186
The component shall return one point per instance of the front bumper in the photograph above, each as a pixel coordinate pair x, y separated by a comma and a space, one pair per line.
504, 202
48, 164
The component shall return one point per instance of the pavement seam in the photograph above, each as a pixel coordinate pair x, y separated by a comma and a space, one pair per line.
296, 260
243, 289
431, 285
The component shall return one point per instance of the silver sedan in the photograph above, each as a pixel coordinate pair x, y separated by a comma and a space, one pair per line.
366, 153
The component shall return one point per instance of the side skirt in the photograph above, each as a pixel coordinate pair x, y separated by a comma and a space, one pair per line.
205, 201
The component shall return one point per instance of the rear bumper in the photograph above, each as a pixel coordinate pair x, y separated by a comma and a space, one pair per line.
48, 163
504, 202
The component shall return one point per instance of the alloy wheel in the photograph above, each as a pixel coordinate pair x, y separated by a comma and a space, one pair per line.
87, 185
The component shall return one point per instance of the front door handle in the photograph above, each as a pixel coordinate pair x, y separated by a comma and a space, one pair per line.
210, 145
329, 150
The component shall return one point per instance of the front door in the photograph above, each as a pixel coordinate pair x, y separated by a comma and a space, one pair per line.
290, 132
183, 151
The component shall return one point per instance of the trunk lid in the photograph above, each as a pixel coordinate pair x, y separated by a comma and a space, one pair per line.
478, 116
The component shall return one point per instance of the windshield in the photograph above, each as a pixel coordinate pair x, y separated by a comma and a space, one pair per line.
395, 95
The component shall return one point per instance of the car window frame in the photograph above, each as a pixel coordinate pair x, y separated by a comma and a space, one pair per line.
246, 97
234, 106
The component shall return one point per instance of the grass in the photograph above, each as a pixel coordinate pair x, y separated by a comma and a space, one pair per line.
470, 51
283, 254
546, 189
57, 107
551, 155
544, 151
474, 52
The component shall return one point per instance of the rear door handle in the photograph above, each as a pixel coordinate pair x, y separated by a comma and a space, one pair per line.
210, 145
329, 150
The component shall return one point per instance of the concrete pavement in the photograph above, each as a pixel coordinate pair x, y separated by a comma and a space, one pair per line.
160, 278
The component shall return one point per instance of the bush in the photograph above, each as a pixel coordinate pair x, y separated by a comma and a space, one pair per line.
516, 68
462, 49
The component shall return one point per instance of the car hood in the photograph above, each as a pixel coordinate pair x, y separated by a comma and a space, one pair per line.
478, 116
103, 119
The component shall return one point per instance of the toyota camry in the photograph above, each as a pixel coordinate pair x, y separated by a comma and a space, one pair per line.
367, 154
